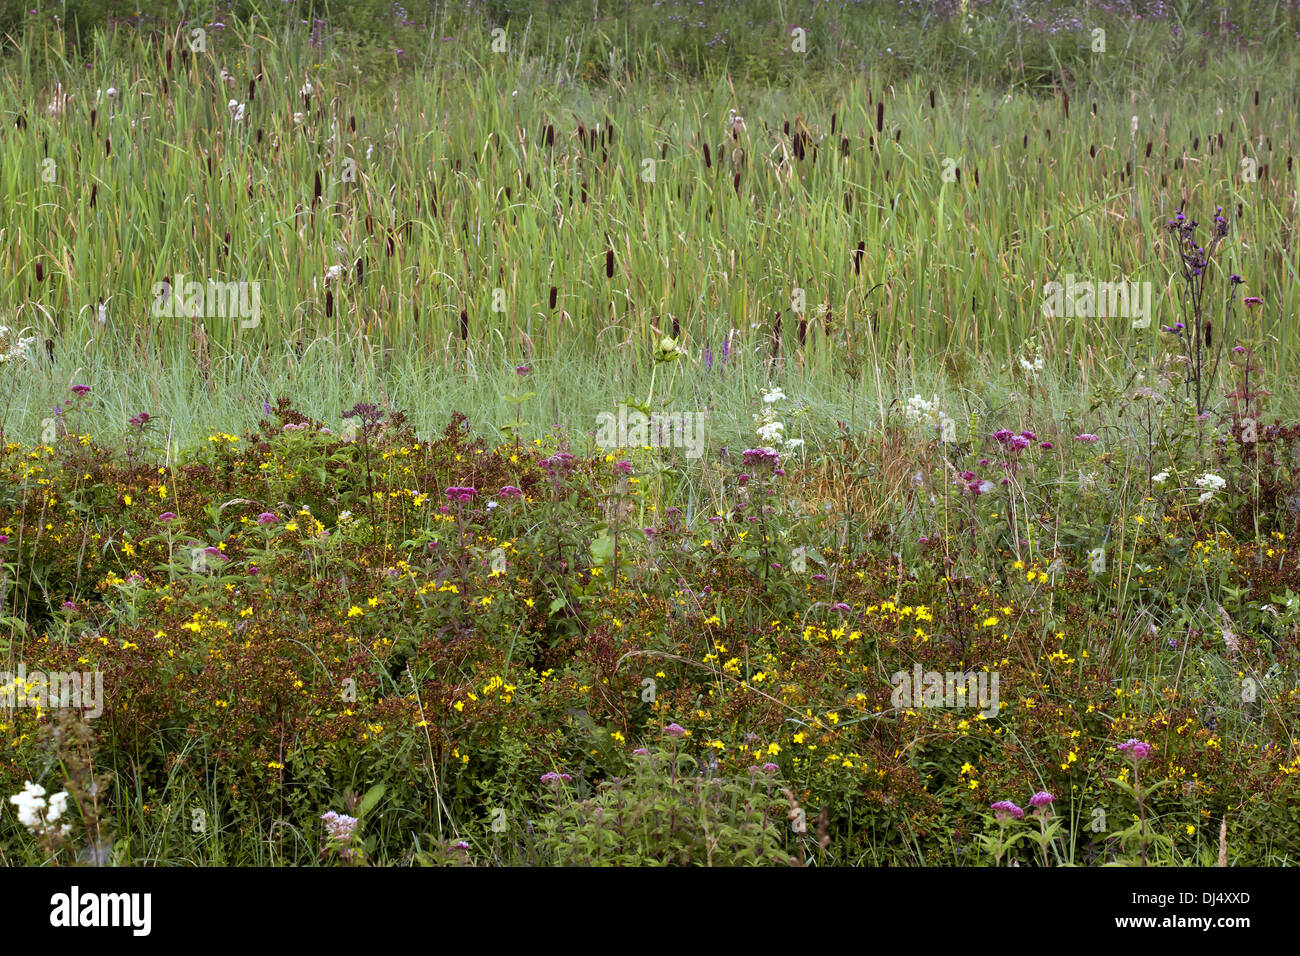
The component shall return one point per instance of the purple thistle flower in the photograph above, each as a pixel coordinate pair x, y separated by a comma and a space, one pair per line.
1135, 749
267, 517
1005, 809
80, 389
1087, 437
1041, 799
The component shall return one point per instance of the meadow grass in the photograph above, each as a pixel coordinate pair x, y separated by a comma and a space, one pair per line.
842, 254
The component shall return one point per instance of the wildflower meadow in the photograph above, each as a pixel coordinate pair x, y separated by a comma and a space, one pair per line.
503, 434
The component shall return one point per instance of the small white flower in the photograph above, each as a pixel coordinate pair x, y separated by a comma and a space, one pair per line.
1160, 478
773, 395
112, 92
306, 89
297, 119
58, 805
794, 443
1211, 483
771, 432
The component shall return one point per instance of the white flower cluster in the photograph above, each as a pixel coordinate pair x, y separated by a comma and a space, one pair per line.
771, 430
236, 110
13, 346
1211, 483
919, 411
36, 814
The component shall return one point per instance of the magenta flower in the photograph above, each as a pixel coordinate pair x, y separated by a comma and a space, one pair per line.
80, 389
555, 778
1005, 809
1135, 749
510, 491
267, 517
167, 516
675, 730
457, 493
1041, 799
1086, 436
1253, 301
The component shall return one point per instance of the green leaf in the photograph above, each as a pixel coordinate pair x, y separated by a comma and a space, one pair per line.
372, 797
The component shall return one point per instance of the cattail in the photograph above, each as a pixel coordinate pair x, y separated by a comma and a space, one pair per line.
390, 243
880, 114
370, 224
609, 263
329, 304
361, 269
1049, 134
528, 180
1128, 170
108, 146
1094, 109
464, 326
352, 122
1239, 214
609, 127
798, 146
226, 240
166, 88
94, 191
708, 160
316, 191
1196, 144
554, 295
40, 271
858, 253
932, 99
735, 183
1209, 334
1148, 149
957, 169
49, 348
977, 176
550, 135
1257, 97
583, 190
832, 123
848, 200
1066, 98
93, 113
787, 128
844, 146
677, 329
803, 332
1025, 143
169, 61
